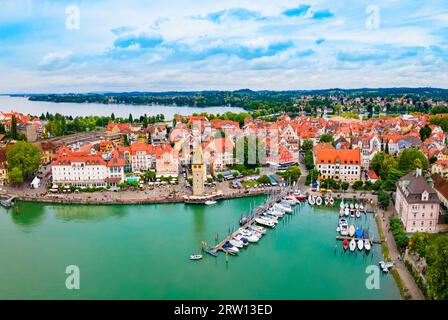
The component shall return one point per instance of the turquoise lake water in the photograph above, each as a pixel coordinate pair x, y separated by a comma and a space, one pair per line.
142, 252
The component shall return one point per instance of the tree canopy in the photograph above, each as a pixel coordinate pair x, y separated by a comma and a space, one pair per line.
23, 159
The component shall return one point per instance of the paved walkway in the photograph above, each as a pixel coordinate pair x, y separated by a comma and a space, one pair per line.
408, 281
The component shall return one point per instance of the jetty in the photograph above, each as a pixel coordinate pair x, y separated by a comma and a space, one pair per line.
274, 198
7, 203
356, 239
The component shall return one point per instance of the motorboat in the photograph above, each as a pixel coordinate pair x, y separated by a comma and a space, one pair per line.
341, 212
311, 200
351, 231
244, 220
345, 244
210, 202
361, 207
249, 235
242, 239
265, 222
230, 248
331, 201
358, 233
286, 207
318, 201
346, 212
343, 227
237, 243
275, 212
351, 206
196, 257
385, 266
268, 216
291, 200
258, 229
342, 205
327, 201
358, 213
352, 245
278, 207
299, 195
360, 244
367, 244
352, 213
356, 205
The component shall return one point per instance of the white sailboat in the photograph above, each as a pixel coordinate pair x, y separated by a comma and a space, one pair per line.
360, 244
352, 245
367, 244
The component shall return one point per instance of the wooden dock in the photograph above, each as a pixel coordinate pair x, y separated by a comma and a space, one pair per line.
256, 212
356, 239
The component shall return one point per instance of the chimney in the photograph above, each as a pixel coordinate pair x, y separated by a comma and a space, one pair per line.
418, 172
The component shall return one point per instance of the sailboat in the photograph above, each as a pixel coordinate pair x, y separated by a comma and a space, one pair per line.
345, 244
360, 244
352, 245
351, 230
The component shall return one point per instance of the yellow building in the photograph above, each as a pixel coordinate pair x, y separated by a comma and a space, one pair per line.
198, 169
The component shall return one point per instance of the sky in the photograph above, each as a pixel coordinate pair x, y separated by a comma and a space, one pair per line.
135, 45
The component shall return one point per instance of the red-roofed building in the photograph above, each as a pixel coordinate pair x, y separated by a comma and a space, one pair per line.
342, 165
83, 169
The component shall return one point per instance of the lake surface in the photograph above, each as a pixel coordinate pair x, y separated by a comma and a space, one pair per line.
23, 105
142, 252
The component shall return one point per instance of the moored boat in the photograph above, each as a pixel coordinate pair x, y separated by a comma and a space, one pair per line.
210, 202
352, 245
360, 244
318, 201
196, 257
345, 244
358, 233
367, 244
351, 231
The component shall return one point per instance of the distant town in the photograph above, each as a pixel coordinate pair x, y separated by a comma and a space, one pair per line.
392, 149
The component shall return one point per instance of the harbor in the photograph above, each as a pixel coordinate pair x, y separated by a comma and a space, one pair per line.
144, 249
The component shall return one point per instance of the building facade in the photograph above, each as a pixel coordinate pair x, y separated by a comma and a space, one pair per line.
417, 203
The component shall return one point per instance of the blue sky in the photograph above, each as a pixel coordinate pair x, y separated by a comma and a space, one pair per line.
222, 45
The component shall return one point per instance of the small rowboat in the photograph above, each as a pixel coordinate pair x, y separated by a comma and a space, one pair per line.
196, 257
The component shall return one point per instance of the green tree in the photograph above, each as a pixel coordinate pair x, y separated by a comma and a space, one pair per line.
407, 160
425, 132
291, 174
438, 271
377, 161
15, 176
264, 179
326, 138
14, 127
345, 185
309, 160
357, 185
307, 145
149, 175
383, 200
23, 157
112, 117
131, 119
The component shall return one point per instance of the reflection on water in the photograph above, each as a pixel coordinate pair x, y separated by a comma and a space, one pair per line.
89, 213
26, 216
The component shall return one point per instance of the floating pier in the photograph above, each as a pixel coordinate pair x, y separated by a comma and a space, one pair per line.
251, 220
356, 239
